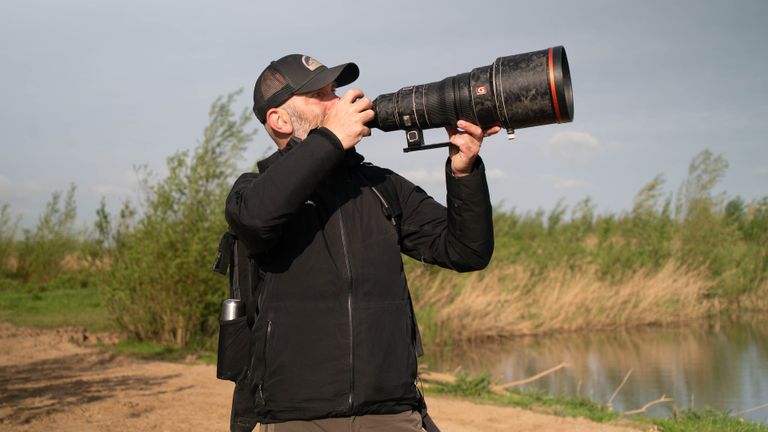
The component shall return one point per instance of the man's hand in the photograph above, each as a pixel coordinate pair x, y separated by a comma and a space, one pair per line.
348, 117
465, 140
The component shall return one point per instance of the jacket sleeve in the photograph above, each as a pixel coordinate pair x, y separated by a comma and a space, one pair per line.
258, 206
459, 237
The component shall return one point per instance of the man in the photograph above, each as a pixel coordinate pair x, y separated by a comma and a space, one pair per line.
335, 341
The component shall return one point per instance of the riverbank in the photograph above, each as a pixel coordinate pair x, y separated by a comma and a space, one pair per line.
509, 300
49, 383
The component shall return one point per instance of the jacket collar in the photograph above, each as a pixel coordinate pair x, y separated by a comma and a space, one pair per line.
351, 156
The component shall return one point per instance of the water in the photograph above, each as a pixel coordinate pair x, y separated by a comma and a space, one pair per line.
723, 365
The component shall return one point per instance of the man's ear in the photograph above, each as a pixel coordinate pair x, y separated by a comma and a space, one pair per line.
279, 121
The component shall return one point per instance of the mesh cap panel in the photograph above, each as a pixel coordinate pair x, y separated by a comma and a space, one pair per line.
271, 89
270, 83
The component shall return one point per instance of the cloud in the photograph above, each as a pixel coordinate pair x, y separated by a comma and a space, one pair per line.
422, 176
495, 174
112, 190
577, 147
759, 171
567, 183
124, 185
10, 189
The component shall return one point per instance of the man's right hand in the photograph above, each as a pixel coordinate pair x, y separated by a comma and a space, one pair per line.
348, 117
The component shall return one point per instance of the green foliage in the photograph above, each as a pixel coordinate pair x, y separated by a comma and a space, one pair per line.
466, 385
710, 235
704, 172
159, 286
728, 241
103, 225
707, 420
9, 226
567, 406
43, 249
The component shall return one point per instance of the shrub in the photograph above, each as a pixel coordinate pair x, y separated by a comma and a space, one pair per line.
9, 226
42, 251
160, 286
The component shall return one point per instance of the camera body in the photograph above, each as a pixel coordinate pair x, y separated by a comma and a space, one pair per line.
513, 92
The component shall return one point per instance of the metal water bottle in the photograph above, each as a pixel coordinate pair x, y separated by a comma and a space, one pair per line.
231, 309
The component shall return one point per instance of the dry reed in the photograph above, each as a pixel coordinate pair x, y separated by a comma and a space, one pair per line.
508, 300
757, 300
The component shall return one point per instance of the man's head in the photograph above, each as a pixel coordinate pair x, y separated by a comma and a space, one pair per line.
293, 94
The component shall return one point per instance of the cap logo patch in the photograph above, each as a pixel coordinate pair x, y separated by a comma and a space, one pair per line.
310, 63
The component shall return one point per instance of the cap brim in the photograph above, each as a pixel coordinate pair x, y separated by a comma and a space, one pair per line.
342, 75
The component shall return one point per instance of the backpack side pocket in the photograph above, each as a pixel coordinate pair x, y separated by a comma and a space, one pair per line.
234, 353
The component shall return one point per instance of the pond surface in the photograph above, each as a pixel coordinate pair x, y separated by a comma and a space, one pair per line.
721, 364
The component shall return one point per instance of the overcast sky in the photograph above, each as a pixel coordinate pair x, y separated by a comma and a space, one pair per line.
91, 89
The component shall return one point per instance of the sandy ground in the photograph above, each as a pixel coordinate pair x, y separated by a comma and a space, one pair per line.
48, 383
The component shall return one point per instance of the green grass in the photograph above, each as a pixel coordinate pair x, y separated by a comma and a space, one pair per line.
144, 350
73, 299
155, 351
70, 300
476, 389
708, 420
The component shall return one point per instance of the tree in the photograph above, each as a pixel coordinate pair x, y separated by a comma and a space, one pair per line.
695, 194
103, 225
44, 248
160, 286
9, 227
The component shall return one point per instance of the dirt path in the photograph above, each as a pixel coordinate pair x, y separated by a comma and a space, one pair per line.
48, 383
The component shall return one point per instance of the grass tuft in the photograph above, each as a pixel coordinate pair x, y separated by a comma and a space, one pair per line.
708, 420
476, 388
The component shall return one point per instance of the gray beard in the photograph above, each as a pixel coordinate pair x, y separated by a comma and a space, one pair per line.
301, 124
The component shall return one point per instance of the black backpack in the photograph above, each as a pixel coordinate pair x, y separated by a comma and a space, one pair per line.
245, 276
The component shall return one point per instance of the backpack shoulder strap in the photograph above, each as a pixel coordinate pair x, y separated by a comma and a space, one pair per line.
227, 262
233, 258
224, 254
382, 185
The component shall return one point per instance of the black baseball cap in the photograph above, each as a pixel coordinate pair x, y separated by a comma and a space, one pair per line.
293, 74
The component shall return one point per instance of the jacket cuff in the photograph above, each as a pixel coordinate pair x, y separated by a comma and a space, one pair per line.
472, 187
478, 168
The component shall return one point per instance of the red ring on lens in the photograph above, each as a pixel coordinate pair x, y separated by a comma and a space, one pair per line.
552, 89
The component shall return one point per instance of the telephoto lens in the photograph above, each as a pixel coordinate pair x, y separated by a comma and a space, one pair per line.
513, 92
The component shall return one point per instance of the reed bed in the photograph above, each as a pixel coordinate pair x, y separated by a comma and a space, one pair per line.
510, 300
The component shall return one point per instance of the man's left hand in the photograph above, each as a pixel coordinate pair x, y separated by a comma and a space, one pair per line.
466, 139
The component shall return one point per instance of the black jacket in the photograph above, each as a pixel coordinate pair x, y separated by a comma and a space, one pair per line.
335, 335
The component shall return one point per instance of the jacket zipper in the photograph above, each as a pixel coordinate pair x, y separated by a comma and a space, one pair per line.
349, 310
266, 346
